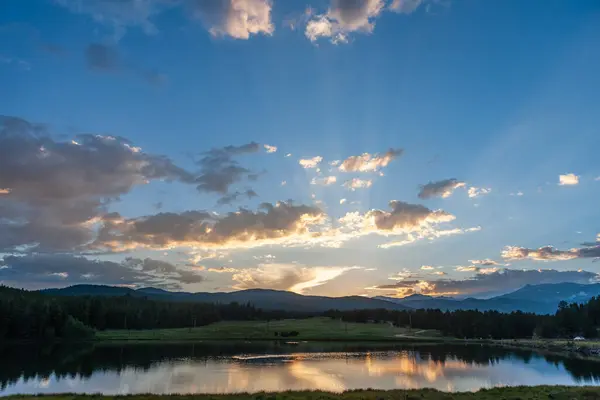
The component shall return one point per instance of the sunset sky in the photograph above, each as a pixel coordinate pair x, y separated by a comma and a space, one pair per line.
330, 147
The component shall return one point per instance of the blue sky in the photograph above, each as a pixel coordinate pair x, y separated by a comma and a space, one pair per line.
499, 96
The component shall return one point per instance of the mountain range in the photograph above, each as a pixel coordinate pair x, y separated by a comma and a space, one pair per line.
540, 299
261, 298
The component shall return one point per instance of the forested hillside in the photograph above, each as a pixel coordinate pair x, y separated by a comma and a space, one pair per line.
35, 315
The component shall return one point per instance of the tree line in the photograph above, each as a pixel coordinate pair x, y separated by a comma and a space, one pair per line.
34, 315
570, 320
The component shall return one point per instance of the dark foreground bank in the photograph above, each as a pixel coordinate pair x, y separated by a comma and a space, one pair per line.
505, 393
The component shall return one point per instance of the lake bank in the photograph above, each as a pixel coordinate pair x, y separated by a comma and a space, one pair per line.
520, 392
589, 348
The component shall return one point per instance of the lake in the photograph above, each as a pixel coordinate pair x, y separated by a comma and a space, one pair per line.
214, 367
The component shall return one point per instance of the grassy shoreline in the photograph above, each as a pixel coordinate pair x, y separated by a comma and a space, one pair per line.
504, 393
311, 329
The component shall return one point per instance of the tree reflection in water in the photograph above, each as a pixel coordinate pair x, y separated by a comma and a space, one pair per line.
253, 366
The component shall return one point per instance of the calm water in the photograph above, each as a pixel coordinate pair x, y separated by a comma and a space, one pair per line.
234, 367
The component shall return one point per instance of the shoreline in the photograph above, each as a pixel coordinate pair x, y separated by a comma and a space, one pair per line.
508, 392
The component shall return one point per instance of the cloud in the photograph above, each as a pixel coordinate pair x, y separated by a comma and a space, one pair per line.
357, 183
485, 263
405, 6
568, 179
343, 18
476, 192
427, 267
549, 253
163, 269
467, 268
369, 162
238, 19
324, 181
309, 163
270, 149
233, 197
413, 221
101, 57
106, 59
342, 201
199, 229
519, 193
119, 15
430, 234
20, 63
487, 283
62, 270
406, 217
442, 188
219, 170
293, 278
56, 191
592, 244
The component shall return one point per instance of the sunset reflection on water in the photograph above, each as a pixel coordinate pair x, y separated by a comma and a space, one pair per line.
335, 372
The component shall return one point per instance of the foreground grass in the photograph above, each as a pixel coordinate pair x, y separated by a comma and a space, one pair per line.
309, 329
506, 393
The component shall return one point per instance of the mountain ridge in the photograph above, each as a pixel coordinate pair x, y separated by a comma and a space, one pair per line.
267, 299
539, 299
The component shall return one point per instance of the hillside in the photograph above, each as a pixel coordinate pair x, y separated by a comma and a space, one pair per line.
261, 298
540, 299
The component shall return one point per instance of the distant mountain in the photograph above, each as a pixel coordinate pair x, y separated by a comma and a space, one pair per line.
555, 292
261, 298
540, 299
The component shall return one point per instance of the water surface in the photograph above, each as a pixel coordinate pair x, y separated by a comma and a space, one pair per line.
213, 367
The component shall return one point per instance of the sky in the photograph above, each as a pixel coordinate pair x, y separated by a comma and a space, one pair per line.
325, 147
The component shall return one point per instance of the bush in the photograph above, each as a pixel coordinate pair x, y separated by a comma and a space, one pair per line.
75, 329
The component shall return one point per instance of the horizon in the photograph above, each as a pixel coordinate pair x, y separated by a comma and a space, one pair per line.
377, 297
372, 148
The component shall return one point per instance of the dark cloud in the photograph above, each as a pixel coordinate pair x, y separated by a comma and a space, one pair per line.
407, 217
443, 188
233, 197
52, 192
549, 253
489, 283
101, 57
63, 270
163, 269
219, 170
54, 49
243, 228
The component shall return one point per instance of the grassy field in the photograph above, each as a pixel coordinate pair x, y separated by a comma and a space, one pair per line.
309, 329
506, 393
